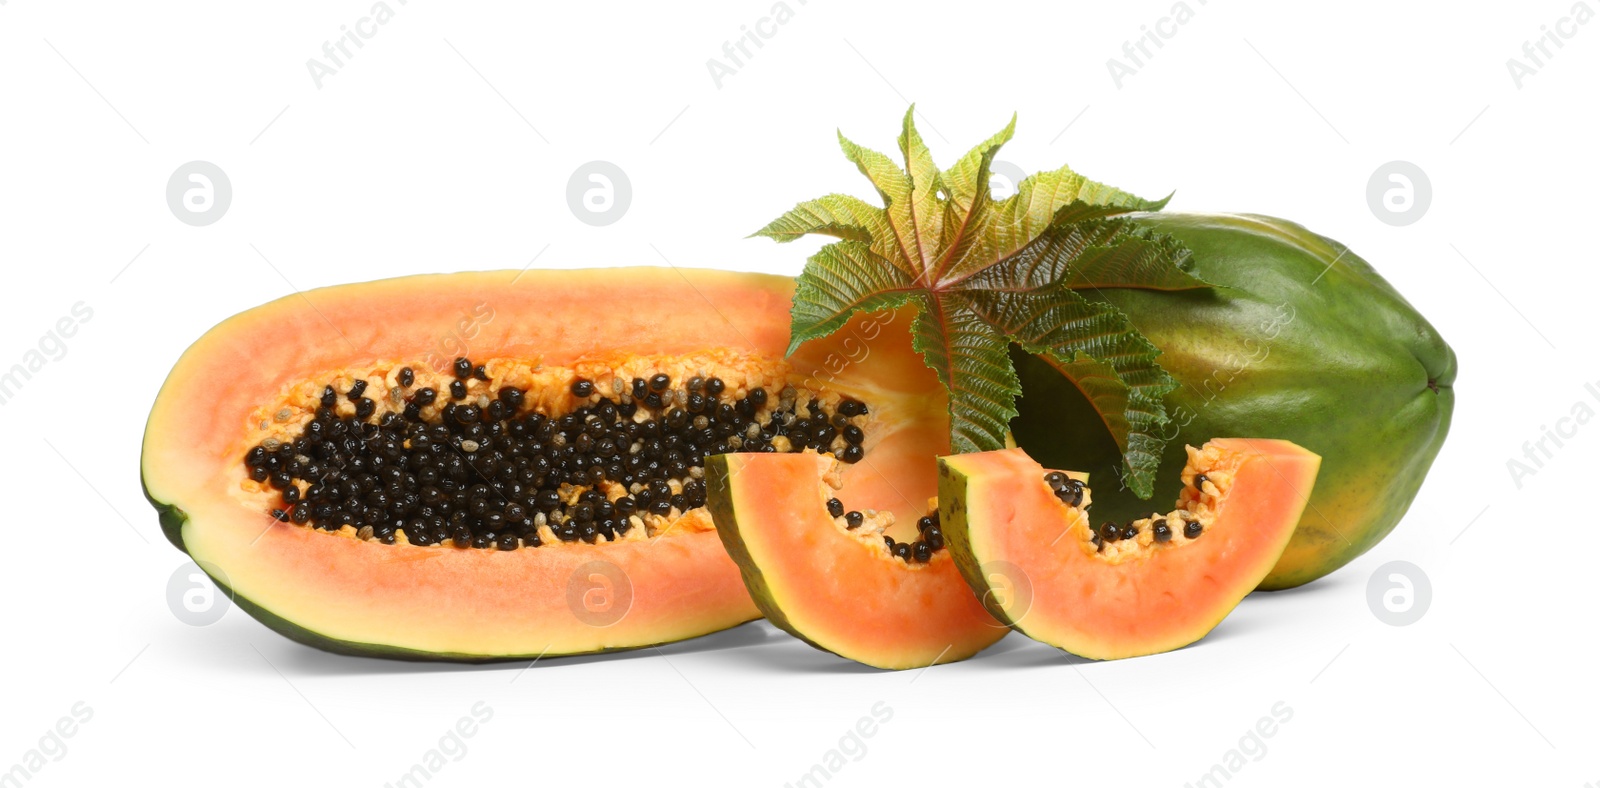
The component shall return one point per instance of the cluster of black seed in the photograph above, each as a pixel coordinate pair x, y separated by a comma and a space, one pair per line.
490, 476
1067, 489
1070, 492
931, 538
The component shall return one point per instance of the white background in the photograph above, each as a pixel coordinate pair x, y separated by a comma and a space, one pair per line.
446, 144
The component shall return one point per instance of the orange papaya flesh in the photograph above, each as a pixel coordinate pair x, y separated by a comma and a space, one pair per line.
829, 575
1126, 589
385, 585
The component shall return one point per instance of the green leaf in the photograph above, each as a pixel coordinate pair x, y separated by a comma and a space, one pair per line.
1082, 252
1127, 253
967, 185
839, 279
969, 356
898, 244
927, 220
838, 215
1114, 400
1066, 330
1042, 199
984, 275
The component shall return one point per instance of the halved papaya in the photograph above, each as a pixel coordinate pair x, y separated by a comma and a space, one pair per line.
1020, 535
506, 464
837, 577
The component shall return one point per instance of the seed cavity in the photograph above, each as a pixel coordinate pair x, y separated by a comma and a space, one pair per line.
929, 541
1191, 516
488, 471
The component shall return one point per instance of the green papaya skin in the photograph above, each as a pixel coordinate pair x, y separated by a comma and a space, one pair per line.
1303, 341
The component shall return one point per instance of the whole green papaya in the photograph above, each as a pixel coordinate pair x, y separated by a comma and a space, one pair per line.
1301, 340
